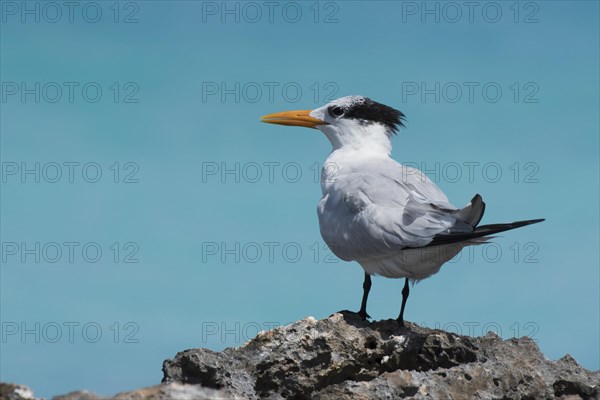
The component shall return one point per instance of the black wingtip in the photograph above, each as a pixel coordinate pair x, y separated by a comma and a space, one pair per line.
510, 225
528, 222
535, 221
480, 231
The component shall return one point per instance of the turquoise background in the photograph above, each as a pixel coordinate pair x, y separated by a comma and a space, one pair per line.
179, 294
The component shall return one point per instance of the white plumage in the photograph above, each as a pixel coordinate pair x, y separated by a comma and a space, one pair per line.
373, 207
391, 219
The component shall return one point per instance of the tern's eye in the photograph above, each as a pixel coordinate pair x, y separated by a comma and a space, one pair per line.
336, 111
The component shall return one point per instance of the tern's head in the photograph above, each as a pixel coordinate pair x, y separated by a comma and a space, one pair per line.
355, 121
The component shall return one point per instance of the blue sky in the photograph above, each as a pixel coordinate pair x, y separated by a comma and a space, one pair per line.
165, 216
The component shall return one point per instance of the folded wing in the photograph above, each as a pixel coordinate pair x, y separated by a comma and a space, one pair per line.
379, 207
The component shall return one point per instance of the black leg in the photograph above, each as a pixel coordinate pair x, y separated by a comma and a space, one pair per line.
363, 305
405, 293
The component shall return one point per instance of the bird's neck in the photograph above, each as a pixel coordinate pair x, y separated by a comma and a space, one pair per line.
364, 139
353, 147
366, 151
361, 150
372, 146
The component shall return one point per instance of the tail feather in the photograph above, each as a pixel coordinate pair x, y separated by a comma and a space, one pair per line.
480, 231
473, 212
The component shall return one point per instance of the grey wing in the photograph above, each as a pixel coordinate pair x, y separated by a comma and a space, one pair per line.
378, 208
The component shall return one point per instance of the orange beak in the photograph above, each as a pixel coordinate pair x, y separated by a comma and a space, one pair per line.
293, 118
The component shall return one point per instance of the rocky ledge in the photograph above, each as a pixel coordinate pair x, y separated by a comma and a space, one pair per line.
343, 357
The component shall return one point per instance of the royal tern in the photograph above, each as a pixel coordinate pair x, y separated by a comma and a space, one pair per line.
390, 218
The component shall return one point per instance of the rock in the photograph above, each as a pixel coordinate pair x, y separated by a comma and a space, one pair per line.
343, 357
78, 395
11, 391
179, 391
